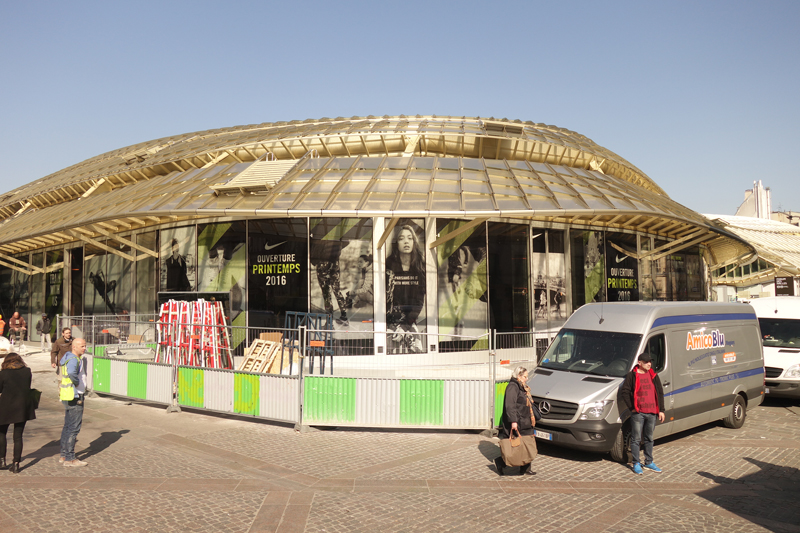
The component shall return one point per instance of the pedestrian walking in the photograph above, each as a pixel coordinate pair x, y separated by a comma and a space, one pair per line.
43, 329
16, 405
72, 391
642, 394
518, 414
62, 345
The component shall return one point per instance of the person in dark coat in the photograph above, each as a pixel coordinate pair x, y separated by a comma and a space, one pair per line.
517, 414
16, 406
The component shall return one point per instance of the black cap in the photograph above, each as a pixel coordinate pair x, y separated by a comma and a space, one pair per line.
645, 358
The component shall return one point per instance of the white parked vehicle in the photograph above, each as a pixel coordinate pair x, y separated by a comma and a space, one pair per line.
779, 318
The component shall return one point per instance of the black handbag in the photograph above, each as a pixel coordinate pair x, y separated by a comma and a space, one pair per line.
537, 414
36, 395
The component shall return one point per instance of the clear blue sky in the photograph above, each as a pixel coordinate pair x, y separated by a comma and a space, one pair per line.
701, 96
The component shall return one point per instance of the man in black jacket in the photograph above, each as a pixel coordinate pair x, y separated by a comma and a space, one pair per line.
642, 394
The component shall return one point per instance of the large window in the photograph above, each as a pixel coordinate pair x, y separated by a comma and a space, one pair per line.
509, 294
463, 293
341, 271
146, 274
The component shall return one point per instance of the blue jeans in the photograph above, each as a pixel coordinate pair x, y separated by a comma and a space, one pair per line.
642, 426
73, 419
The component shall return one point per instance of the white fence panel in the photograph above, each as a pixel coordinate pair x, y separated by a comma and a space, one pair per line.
279, 398
467, 403
218, 390
119, 377
159, 382
377, 402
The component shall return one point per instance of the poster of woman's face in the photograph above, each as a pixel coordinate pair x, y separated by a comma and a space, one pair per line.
405, 287
178, 267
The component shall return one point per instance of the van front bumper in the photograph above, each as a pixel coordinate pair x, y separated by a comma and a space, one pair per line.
783, 388
589, 435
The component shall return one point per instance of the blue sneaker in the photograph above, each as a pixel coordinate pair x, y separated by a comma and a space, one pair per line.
637, 468
653, 467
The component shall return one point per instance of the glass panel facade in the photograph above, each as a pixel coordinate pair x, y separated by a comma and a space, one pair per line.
146, 274
37, 295
588, 267
54, 287
509, 294
463, 288
405, 287
341, 273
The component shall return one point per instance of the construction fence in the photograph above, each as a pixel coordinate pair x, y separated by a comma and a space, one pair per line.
313, 377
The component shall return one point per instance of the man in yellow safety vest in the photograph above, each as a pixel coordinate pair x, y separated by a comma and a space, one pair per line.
72, 368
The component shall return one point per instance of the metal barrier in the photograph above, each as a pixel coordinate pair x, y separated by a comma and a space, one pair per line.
460, 385
132, 379
273, 397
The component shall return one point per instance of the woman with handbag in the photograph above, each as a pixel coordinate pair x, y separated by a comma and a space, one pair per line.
517, 422
16, 405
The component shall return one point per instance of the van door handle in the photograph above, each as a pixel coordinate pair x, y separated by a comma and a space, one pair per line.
666, 383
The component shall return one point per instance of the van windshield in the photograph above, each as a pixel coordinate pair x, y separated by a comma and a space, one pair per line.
780, 332
592, 352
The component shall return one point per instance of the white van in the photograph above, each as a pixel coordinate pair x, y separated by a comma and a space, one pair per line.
779, 318
707, 354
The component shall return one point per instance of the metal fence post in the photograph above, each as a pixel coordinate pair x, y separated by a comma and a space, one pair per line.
301, 376
492, 374
173, 407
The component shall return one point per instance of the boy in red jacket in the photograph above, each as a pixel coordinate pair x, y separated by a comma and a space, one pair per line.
643, 395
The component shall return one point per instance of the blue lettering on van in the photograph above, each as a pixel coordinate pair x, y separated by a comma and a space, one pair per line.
686, 319
718, 379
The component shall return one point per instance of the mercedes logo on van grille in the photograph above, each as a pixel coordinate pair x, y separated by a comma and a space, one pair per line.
544, 407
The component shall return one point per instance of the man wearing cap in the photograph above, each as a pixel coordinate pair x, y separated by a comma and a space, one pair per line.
43, 329
642, 394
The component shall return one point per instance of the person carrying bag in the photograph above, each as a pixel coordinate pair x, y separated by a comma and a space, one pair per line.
517, 441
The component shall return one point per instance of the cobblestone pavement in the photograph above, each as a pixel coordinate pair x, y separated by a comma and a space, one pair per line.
150, 471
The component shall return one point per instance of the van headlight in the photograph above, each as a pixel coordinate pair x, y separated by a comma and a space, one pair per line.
792, 372
596, 410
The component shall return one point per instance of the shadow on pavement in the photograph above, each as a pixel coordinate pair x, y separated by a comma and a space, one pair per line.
106, 439
768, 497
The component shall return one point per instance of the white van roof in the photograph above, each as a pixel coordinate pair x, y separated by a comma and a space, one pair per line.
640, 317
786, 306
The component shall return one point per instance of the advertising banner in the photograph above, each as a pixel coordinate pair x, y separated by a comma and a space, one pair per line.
622, 274
784, 286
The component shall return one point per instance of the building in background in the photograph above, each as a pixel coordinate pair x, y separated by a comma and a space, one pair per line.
433, 230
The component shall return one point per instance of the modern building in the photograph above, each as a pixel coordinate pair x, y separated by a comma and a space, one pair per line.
446, 226
775, 272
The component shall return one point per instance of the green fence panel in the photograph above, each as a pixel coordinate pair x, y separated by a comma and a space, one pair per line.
137, 380
97, 351
191, 383
422, 402
246, 390
102, 375
329, 399
499, 397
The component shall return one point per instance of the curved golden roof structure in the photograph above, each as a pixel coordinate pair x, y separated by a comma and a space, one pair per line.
361, 166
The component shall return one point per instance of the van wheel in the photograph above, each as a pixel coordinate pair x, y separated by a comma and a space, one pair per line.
622, 444
735, 420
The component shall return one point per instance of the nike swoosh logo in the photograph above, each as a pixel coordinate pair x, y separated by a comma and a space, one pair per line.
268, 247
624, 257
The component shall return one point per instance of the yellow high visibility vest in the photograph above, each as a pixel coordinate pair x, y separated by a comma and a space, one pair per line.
67, 390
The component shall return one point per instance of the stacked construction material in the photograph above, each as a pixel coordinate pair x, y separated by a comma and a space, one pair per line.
194, 334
